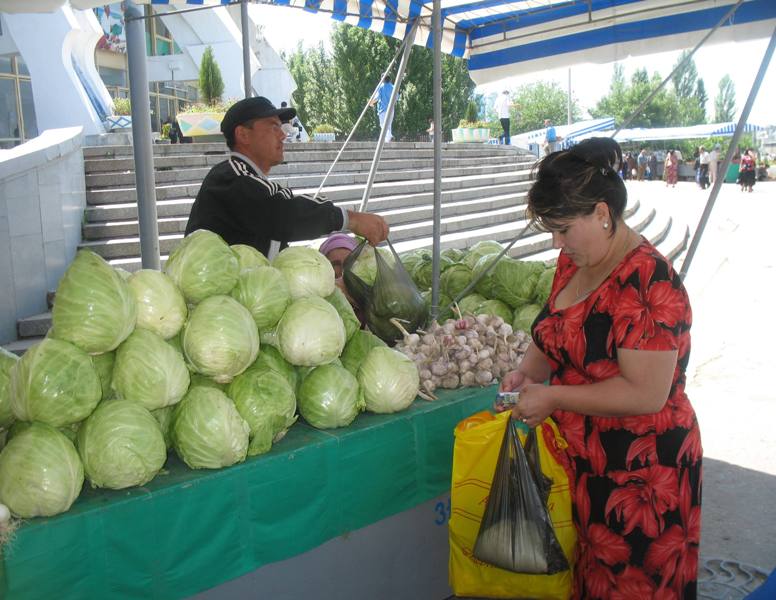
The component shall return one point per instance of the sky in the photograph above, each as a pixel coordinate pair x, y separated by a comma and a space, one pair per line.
588, 82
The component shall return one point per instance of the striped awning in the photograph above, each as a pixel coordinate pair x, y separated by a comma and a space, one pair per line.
503, 38
690, 132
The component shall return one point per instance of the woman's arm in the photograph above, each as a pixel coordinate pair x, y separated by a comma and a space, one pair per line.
534, 368
641, 388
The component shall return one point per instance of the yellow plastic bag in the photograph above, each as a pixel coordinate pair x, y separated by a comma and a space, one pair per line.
477, 443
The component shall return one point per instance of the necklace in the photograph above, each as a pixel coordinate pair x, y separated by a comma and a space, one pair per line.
587, 291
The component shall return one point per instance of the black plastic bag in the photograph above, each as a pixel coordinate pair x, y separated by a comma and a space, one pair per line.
393, 296
516, 532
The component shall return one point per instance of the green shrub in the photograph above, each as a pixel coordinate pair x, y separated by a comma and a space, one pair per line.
211, 84
122, 106
324, 128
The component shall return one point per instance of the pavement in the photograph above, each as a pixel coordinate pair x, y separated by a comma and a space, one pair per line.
731, 282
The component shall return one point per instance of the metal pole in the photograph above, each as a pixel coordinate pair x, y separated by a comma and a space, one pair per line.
696, 238
141, 137
687, 58
245, 23
568, 101
358, 121
438, 133
389, 115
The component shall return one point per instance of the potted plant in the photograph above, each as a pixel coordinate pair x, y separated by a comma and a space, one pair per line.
471, 131
324, 133
122, 115
204, 118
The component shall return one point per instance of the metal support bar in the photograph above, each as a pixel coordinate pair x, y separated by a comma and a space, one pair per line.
687, 58
696, 238
245, 23
437, 107
141, 139
399, 50
389, 115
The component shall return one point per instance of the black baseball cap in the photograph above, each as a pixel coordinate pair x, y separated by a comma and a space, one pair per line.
248, 109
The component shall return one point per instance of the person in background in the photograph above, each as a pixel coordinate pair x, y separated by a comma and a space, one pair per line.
671, 169
613, 340
238, 201
713, 164
551, 137
337, 247
652, 166
292, 128
746, 171
382, 98
430, 130
703, 161
641, 165
502, 105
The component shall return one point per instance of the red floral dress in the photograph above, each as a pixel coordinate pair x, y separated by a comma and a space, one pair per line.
636, 480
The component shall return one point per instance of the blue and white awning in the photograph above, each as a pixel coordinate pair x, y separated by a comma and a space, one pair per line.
672, 133
503, 38
569, 133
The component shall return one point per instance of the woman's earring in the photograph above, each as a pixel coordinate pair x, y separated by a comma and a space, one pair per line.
606, 225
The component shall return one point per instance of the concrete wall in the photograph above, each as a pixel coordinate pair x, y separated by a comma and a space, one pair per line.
42, 201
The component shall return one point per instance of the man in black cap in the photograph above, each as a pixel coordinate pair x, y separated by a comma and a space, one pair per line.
239, 203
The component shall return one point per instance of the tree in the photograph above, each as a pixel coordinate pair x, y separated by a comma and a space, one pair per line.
211, 84
542, 100
725, 102
624, 98
690, 92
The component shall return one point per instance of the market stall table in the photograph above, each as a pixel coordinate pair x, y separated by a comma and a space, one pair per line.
189, 531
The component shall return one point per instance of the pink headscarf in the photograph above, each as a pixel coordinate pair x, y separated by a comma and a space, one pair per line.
337, 240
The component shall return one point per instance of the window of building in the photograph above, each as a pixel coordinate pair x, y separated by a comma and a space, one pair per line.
10, 135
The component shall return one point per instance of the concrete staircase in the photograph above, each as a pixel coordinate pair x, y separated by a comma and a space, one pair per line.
483, 197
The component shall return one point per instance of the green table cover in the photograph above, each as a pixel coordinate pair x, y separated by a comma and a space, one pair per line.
187, 531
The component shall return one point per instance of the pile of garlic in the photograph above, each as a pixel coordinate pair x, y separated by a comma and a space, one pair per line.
464, 352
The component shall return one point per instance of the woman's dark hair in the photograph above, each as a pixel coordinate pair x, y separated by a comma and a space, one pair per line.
569, 183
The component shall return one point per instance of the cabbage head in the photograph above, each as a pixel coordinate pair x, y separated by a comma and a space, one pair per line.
94, 307
7, 362
310, 333
412, 257
329, 397
220, 339
485, 285
203, 265
544, 286
149, 371
422, 273
264, 292
267, 402
160, 305
163, 416
271, 359
454, 254
365, 266
103, 365
349, 319
357, 348
479, 250
40, 473
525, 316
497, 308
454, 280
470, 305
55, 383
207, 430
389, 380
308, 272
121, 445
248, 257
197, 379
69, 431
514, 281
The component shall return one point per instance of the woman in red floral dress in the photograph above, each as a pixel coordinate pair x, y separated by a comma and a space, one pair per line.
614, 341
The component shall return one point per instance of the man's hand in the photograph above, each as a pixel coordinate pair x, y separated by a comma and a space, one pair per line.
372, 227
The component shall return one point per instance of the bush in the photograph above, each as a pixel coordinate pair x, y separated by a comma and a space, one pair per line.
472, 112
200, 107
476, 124
211, 84
324, 128
121, 106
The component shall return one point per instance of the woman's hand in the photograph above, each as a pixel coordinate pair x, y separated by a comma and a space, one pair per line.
514, 381
535, 404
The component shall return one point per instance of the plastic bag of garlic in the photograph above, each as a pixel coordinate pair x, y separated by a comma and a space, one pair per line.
466, 352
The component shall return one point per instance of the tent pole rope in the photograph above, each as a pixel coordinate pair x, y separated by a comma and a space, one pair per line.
687, 58
410, 38
399, 50
696, 238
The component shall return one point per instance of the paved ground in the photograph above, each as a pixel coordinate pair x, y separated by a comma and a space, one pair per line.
732, 287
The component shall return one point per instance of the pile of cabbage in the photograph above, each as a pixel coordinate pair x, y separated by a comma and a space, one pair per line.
215, 358
513, 289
